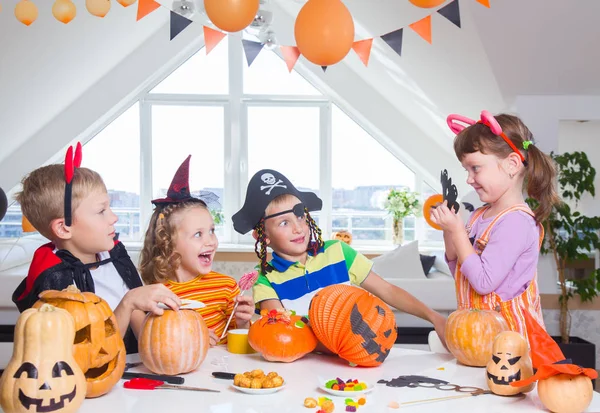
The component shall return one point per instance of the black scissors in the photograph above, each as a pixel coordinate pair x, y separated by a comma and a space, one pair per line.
167, 379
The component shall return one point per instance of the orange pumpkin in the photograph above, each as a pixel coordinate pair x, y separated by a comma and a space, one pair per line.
510, 362
470, 335
353, 323
173, 343
98, 347
432, 201
344, 236
565, 393
281, 336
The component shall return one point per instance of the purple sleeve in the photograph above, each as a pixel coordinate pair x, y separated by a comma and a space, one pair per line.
451, 265
510, 237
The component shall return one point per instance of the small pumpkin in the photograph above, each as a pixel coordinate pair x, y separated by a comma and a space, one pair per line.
565, 393
173, 343
280, 335
353, 323
42, 371
510, 362
343, 235
430, 202
470, 335
98, 346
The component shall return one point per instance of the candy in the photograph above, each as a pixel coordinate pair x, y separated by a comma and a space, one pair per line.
328, 406
248, 280
310, 402
394, 405
350, 408
362, 401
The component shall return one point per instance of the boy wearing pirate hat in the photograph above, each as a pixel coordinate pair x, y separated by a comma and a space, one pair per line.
69, 205
279, 216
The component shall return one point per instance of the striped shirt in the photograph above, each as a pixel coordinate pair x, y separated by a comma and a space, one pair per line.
217, 292
295, 284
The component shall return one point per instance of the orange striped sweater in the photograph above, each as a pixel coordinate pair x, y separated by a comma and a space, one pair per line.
217, 291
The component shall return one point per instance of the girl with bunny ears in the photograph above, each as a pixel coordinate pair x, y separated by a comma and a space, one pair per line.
495, 260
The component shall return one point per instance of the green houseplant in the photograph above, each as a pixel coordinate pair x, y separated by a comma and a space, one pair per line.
401, 204
570, 235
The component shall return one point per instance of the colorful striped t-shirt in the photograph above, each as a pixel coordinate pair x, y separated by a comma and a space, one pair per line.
295, 284
217, 292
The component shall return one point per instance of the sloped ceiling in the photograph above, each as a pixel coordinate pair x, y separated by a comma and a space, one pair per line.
514, 48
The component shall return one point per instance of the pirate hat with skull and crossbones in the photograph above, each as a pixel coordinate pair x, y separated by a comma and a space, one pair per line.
265, 186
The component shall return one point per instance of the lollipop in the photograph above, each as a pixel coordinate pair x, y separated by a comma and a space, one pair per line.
246, 282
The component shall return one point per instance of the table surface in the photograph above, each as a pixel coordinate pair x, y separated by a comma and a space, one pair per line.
303, 378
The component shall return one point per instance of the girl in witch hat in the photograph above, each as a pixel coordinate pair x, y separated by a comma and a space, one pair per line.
179, 249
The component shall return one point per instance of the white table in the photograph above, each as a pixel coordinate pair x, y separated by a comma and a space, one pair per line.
301, 377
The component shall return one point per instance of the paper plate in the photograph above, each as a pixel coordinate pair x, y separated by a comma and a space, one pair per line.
350, 394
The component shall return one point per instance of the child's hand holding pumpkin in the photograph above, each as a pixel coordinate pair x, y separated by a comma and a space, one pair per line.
244, 311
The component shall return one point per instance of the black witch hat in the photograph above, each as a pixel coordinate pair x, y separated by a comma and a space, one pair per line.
179, 190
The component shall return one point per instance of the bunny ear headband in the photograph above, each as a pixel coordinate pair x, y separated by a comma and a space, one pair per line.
490, 121
71, 162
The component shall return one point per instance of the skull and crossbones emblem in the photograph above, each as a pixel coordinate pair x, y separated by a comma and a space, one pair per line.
271, 182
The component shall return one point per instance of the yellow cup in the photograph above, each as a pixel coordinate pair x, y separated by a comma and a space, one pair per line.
237, 342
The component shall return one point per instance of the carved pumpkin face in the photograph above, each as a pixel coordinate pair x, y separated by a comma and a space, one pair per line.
98, 347
343, 236
510, 362
42, 375
353, 323
280, 336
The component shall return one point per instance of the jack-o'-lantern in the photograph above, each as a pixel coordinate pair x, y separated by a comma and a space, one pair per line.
470, 335
173, 343
510, 362
42, 375
98, 347
344, 236
353, 323
281, 336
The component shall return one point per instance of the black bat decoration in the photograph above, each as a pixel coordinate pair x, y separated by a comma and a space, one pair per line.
449, 191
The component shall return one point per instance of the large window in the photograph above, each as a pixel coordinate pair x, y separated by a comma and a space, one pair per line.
235, 120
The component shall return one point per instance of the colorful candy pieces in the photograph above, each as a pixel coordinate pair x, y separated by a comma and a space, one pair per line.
349, 385
352, 406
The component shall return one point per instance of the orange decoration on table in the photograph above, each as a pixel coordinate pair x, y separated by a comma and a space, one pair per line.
231, 15
98, 8
470, 335
427, 4
64, 11
353, 323
173, 343
324, 31
432, 201
280, 336
98, 347
26, 12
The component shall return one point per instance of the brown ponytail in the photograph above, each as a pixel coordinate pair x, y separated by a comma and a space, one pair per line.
541, 182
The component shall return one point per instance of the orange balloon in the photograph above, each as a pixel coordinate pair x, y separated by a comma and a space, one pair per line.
324, 31
64, 11
26, 12
126, 3
427, 4
97, 8
231, 15
432, 201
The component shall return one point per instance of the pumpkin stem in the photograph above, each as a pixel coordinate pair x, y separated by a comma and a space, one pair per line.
72, 289
47, 308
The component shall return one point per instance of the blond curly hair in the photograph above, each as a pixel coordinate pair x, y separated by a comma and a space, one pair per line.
158, 258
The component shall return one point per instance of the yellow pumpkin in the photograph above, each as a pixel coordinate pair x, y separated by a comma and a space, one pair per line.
510, 362
173, 343
565, 393
470, 335
42, 371
98, 346
344, 236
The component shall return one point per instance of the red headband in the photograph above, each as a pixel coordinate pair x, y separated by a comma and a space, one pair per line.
488, 120
71, 162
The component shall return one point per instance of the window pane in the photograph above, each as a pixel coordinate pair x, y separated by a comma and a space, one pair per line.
285, 139
115, 154
269, 75
179, 131
363, 172
10, 225
200, 74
